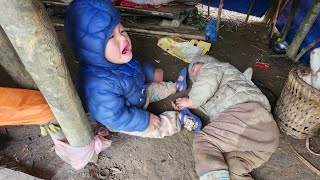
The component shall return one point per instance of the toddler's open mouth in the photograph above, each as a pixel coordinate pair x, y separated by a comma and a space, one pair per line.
126, 50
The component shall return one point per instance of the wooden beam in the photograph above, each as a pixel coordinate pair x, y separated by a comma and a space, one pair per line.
146, 29
32, 35
10, 61
163, 33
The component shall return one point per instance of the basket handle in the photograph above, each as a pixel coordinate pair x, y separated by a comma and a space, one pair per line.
308, 147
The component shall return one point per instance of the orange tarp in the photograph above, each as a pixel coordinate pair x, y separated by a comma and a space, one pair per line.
23, 107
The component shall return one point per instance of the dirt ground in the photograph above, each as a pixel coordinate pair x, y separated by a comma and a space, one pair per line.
171, 157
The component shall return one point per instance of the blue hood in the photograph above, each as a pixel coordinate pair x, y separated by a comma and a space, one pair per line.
88, 26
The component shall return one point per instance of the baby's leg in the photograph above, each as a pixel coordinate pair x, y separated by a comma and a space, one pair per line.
246, 127
169, 125
159, 91
241, 163
209, 160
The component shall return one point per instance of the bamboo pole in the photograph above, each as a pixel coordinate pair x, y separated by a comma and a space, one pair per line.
219, 14
283, 6
162, 33
249, 11
270, 12
208, 7
304, 50
274, 20
10, 61
31, 33
286, 27
303, 29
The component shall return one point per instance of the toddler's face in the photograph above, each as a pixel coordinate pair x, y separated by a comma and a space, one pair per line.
118, 49
196, 70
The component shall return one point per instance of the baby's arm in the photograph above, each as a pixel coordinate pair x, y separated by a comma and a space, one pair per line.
154, 121
152, 74
206, 85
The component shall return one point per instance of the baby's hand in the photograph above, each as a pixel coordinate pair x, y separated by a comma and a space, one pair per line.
182, 103
154, 121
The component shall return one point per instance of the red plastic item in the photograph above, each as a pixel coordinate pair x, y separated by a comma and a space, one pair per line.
130, 4
262, 65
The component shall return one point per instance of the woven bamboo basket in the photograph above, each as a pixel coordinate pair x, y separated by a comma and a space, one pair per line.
298, 108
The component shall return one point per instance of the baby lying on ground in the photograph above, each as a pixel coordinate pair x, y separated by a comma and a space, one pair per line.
242, 134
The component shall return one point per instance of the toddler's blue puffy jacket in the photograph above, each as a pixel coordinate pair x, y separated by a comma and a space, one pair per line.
114, 94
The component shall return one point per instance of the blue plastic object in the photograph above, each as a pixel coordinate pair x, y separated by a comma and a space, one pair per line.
211, 31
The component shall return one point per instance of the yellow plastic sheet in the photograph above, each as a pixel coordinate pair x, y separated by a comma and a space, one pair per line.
183, 49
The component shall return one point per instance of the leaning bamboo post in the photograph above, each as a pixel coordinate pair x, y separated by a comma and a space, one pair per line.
249, 11
303, 29
274, 20
10, 61
270, 12
304, 50
219, 14
208, 7
286, 27
283, 6
31, 33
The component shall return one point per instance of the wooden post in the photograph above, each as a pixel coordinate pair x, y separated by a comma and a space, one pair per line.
208, 7
304, 29
10, 61
219, 14
283, 6
249, 11
286, 27
274, 20
270, 12
31, 33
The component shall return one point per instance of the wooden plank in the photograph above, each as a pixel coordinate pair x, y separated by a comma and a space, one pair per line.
164, 31
173, 12
153, 30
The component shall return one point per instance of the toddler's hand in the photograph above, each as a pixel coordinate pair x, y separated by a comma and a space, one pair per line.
182, 103
154, 121
158, 75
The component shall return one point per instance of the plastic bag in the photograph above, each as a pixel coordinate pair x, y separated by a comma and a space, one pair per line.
211, 30
183, 49
78, 157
